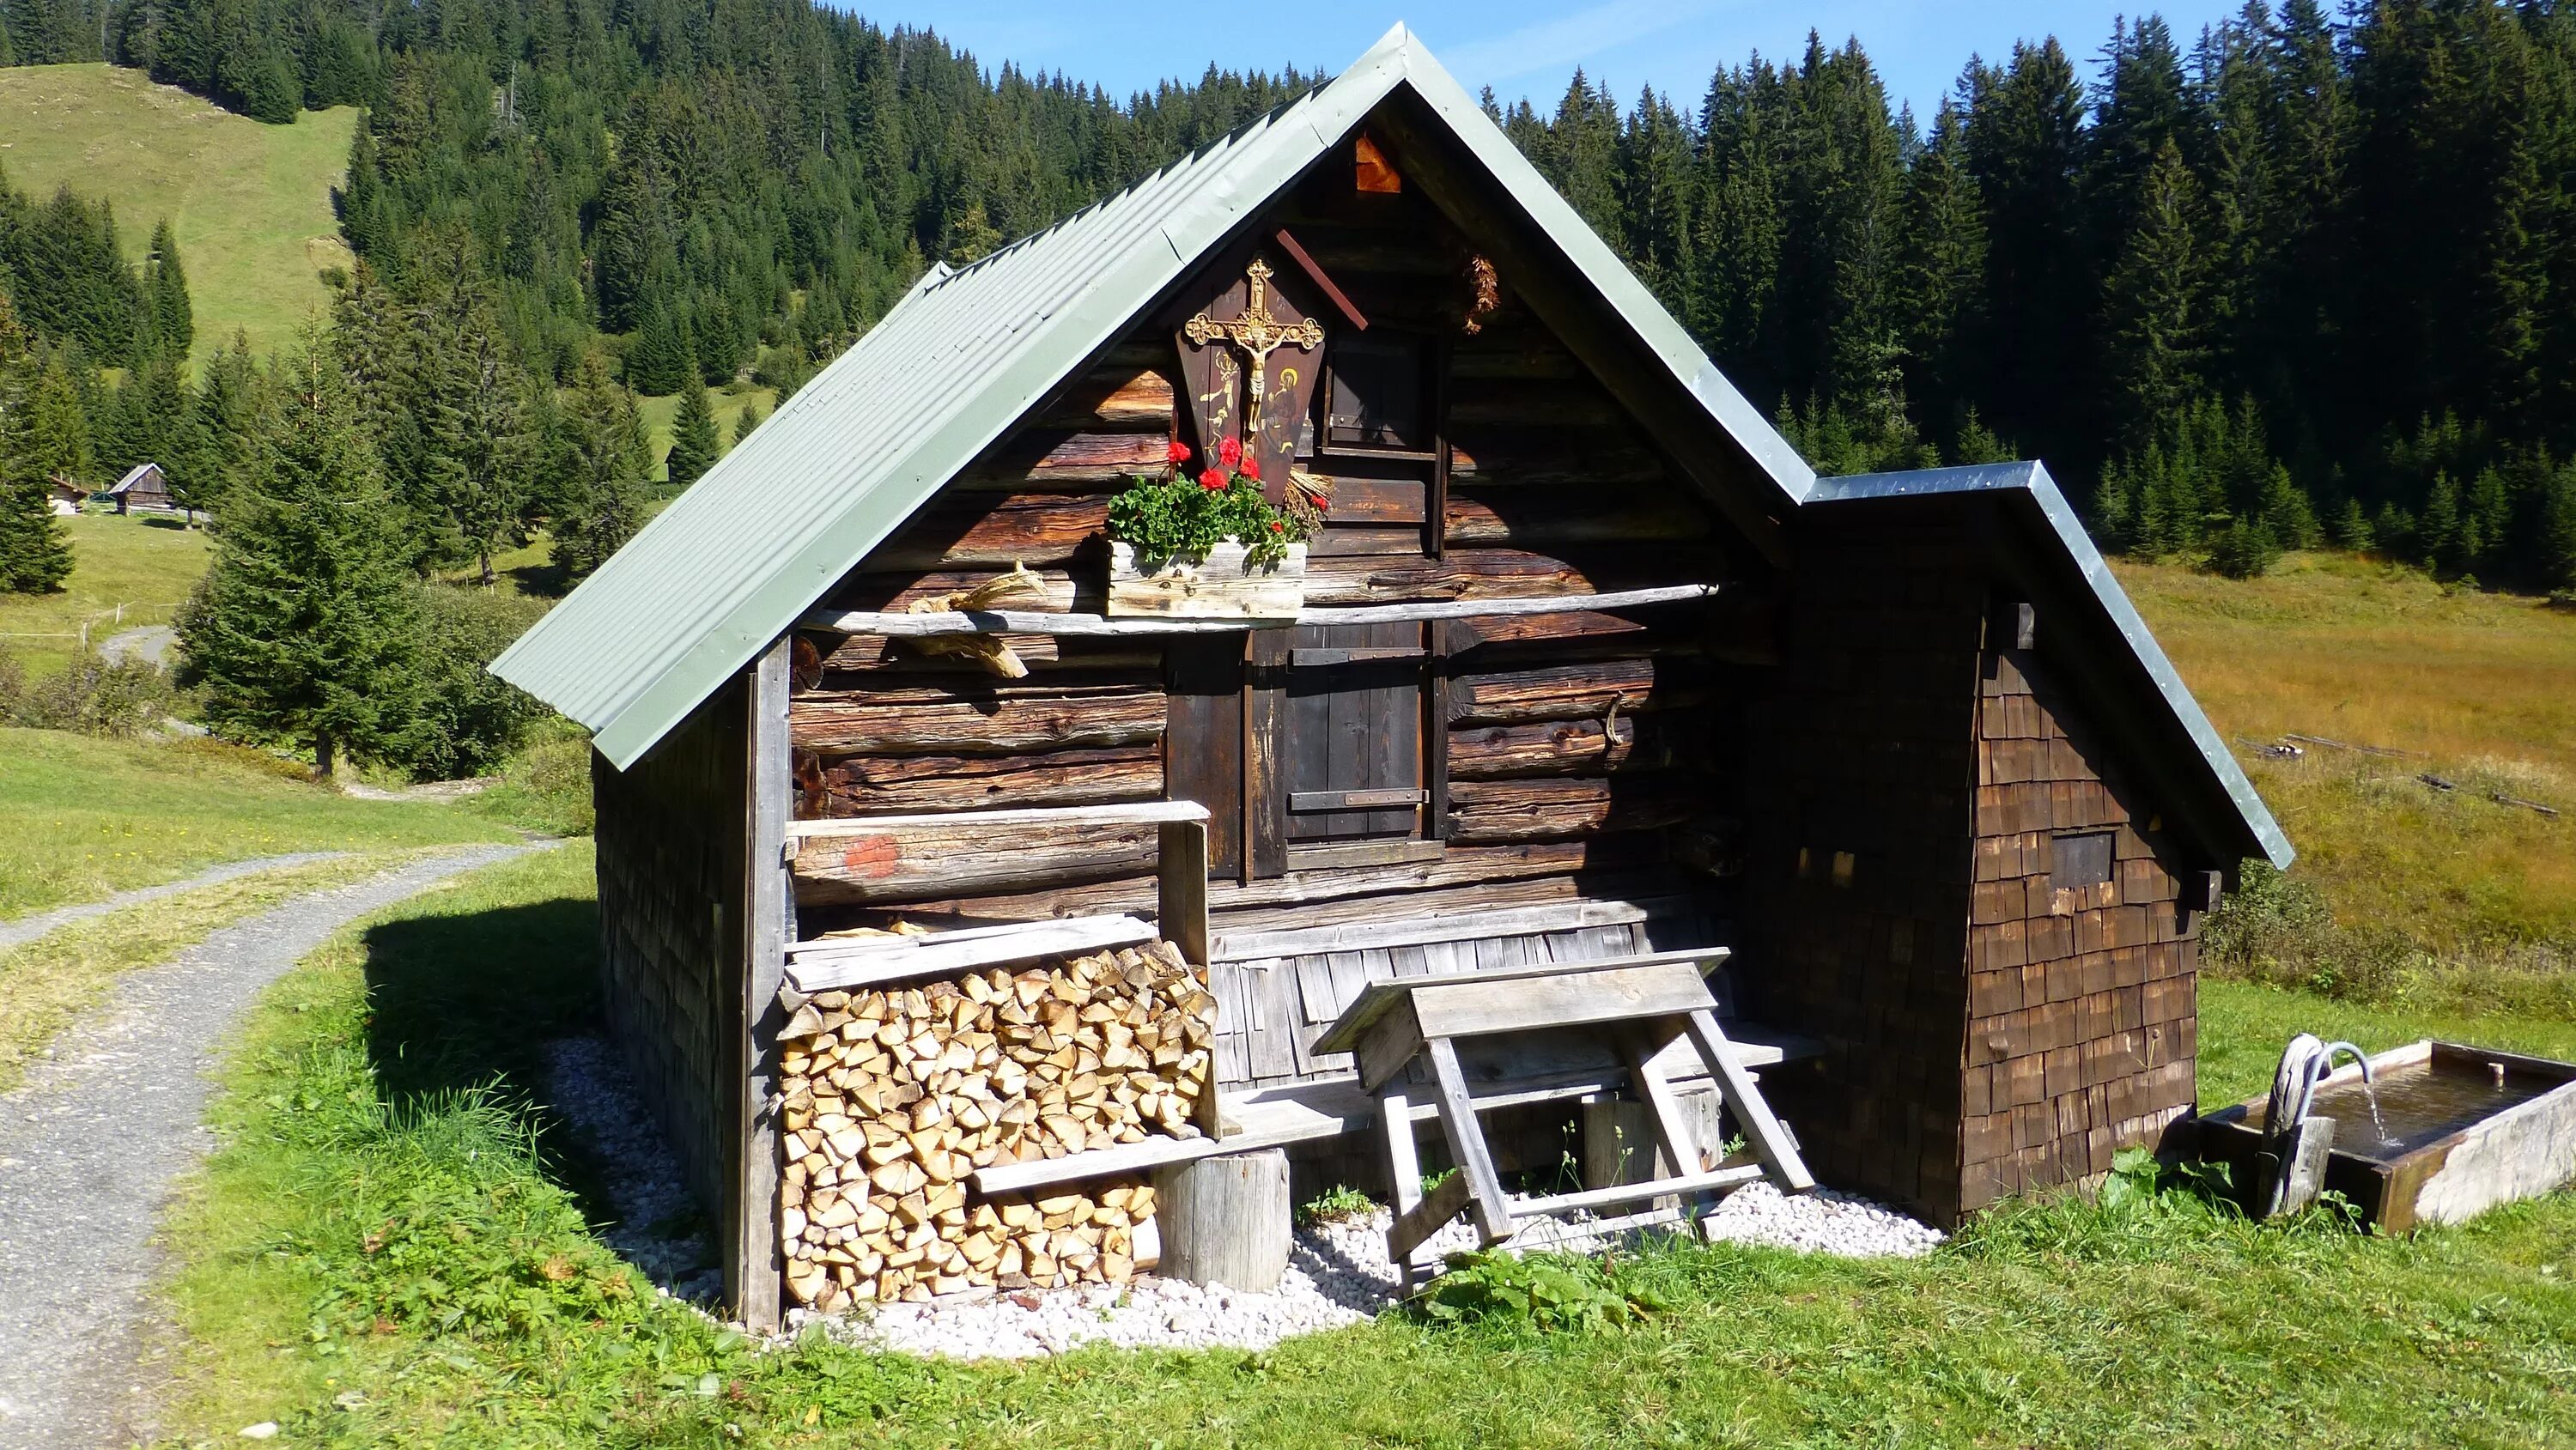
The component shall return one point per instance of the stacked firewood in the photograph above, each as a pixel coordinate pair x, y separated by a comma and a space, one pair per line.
892, 1098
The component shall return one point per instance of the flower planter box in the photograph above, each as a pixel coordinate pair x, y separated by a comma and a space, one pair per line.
1217, 587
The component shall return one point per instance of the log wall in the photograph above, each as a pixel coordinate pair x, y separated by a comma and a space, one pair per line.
670, 839
1588, 757
2082, 1021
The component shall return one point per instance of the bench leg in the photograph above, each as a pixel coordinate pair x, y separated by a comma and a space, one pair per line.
1403, 1169
1467, 1144
1771, 1142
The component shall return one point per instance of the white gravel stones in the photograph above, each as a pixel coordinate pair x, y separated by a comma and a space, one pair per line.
1338, 1274
657, 1228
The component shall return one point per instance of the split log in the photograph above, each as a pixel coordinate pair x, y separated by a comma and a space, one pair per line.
990, 719
1538, 810
862, 785
890, 1100
1224, 1220
1577, 691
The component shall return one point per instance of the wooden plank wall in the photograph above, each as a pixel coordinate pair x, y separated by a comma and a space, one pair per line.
1589, 755
2083, 1023
670, 840
1857, 890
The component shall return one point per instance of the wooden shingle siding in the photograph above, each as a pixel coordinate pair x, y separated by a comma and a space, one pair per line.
670, 839
2082, 1026
1857, 891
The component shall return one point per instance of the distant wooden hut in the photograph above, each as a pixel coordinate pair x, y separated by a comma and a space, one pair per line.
144, 488
1588, 661
65, 496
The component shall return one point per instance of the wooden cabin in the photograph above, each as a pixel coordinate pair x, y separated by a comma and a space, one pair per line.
1587, 662
144, 488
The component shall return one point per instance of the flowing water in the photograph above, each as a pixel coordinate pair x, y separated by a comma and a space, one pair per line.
2420, 1103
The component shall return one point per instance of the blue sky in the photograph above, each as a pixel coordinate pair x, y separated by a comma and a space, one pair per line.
1520, 47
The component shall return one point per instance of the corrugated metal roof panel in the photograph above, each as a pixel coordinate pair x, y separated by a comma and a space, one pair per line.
765, 532
2031, 481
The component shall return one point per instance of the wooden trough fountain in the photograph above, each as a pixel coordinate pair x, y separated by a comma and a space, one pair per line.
2456, 1130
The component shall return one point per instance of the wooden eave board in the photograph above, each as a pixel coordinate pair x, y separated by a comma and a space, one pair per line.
1374, 1001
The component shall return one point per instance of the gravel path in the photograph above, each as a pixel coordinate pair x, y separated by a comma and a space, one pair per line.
90, 1146
27, 928
150, 644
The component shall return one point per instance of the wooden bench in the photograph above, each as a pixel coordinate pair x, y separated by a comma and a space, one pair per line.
1650, 1003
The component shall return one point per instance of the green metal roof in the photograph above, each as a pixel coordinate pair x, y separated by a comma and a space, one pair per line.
755, 542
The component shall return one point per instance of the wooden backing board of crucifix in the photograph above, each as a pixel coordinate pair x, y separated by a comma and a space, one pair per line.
1249, 359
1647, 1002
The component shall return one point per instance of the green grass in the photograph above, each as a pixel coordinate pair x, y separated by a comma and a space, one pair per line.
2482, 686
82, 817
149, 566
385, 1252
728, 406
251, 202
46, 982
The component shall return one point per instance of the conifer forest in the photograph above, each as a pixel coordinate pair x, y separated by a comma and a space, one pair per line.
2302, 278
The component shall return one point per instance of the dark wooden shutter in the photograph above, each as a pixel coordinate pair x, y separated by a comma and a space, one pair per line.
1352, 753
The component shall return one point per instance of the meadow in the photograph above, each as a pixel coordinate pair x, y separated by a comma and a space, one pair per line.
250, 202
395, 1246
126, 571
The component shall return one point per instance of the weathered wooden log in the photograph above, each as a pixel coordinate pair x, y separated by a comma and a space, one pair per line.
1574, 403
1506, 455
1224, 1220
1656, 741
1044, 458
969, 529
928, 863
1003, 720
895, 590
1112, 399
1529, 518
1588, 689
1507, 574
1380, 501
860, 785
876, 653
1540, 810
1339, 541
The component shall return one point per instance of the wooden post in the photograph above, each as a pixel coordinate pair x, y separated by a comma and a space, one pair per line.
1224, 1220
1621, 1144
752, 1277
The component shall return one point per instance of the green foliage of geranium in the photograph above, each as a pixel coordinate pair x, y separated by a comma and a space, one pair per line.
1177, 517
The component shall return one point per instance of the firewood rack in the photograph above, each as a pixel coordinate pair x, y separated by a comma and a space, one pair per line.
1646, 1003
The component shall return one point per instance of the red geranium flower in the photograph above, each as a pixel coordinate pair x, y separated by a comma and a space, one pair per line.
1177, 452
1277, 527
1251, 467
1230, 452
1323, 503
1212, 480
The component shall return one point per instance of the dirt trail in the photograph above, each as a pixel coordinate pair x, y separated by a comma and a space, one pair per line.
89, 1148
20, 930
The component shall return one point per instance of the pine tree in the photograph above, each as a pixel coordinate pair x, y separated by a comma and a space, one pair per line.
602, 458
35, 552
173, 320
749, 418
306, 627
662, 362
694, 444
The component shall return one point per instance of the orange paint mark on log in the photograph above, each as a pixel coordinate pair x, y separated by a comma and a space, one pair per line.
871, 856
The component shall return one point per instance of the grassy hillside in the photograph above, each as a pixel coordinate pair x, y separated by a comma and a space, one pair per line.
147, 565
251, 202
2480, 688
82, 817
728, 406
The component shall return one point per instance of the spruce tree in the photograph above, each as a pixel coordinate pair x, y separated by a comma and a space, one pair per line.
602, 458
749, 418
694, 444
166, 300
35, 552
306, 627
2154, 306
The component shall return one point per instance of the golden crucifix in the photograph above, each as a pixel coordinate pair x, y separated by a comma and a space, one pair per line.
1258, 333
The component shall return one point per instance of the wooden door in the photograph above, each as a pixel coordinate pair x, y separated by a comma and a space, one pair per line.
1353, 731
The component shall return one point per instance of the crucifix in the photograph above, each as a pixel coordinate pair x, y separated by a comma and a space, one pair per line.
1259, 335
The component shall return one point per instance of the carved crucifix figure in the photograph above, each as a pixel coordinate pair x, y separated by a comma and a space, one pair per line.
1255, 318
